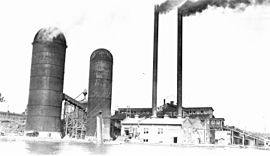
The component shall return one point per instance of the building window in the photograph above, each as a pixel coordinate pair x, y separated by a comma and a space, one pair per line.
174, 113
218, 122
126, 130
213, 122
145, 140
174, 139
160, 130
202, 112
145, 131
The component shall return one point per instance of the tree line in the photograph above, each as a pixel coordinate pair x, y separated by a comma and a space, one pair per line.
2, 99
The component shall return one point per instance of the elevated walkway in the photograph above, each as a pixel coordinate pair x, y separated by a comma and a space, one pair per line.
74, 118
74, 102
242, 137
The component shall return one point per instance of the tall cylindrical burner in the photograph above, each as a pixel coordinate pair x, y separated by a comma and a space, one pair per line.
179, 62
46, 83
155, 63
100, 92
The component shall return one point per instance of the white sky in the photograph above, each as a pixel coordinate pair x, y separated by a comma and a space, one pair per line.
226, 54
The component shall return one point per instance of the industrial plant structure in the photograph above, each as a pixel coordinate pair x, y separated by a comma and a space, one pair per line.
46, 90
174, 123
206, 122
168, 123
100, 91
46, 82
179, 61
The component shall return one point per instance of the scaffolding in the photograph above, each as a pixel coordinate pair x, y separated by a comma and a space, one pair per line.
74, 118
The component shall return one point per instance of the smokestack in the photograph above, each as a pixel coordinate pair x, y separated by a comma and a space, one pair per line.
155, 63
179, 62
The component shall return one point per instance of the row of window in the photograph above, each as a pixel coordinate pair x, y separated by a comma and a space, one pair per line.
146, 131
216, 122
145, 140
168, 113
134, 112
197, 112
187, 112
160, 130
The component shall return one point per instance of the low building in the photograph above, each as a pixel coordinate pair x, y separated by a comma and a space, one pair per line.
12, 116
165, 130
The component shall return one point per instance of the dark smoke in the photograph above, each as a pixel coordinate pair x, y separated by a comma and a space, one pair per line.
190, 7
169, 5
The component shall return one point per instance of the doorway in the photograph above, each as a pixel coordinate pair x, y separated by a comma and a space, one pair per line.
174, 139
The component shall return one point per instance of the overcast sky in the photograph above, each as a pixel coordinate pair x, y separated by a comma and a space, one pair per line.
226, 54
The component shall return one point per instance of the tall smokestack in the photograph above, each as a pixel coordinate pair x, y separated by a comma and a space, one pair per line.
155, 63
179, 62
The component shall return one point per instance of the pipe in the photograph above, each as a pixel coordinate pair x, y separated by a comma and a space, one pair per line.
155, 63
179, 62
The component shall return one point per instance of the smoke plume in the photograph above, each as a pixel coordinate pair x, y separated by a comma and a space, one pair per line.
189, 7
169, 5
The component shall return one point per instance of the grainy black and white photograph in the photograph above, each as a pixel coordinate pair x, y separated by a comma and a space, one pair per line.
135, 77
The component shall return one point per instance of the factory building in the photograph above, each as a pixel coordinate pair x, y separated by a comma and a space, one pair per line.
204, 115
12, 116
170, 109
166, 130
198, 126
